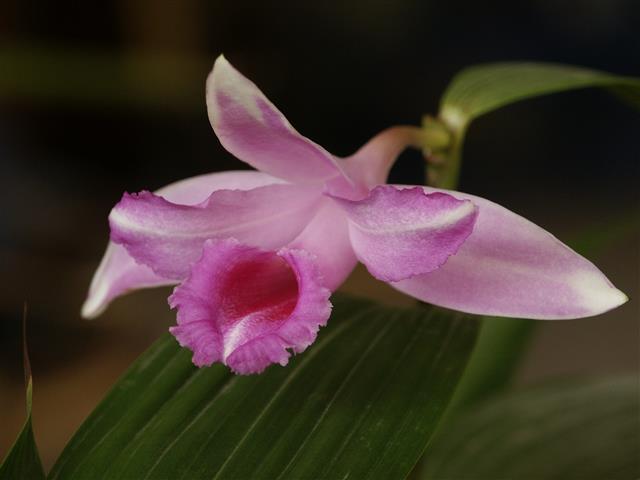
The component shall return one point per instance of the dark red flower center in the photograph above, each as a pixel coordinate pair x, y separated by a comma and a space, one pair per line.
264, 288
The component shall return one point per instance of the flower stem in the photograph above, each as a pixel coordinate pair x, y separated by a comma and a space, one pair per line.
442, 148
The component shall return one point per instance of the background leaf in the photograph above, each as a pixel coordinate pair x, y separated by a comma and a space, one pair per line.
500, 348
23, 460
480, 89
572, 430
483, 88
363, 401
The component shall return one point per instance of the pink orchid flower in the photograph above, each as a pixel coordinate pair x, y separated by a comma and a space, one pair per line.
257, 254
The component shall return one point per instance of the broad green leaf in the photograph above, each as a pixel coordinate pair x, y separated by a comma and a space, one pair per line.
362, 402
23, 460
564, 431
501, 345
480, 89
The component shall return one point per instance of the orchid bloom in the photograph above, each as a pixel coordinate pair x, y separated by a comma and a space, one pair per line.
256, 254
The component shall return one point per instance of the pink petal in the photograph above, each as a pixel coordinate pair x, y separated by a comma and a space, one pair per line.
511, 267
327, 238
400, 233
168, 237
119, 273
195, 190
245, 307
250, 127
370, 165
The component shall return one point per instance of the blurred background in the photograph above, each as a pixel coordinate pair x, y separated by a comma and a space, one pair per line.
101, 98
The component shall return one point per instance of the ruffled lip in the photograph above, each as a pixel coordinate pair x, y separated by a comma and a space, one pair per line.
249, 308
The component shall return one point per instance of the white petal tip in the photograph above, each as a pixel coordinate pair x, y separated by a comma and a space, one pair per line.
617, 298
87, 313
597, 297
221, 62
222, 67
91, 309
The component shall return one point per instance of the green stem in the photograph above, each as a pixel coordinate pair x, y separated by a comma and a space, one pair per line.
442, 147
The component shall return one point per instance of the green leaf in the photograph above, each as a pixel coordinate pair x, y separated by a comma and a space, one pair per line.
483, 88
565, 431
480, 89
363, 402
23, 460
501, 345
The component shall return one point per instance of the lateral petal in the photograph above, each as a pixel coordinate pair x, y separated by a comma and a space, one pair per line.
168, 237
511, 267
119, 273
400, 233
251, 128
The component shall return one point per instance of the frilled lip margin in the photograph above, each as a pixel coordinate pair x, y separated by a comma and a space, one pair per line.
249, 308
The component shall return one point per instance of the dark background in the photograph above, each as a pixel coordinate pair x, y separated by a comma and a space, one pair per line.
99, 98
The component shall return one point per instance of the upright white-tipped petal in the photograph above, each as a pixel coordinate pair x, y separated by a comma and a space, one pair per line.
250, 127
